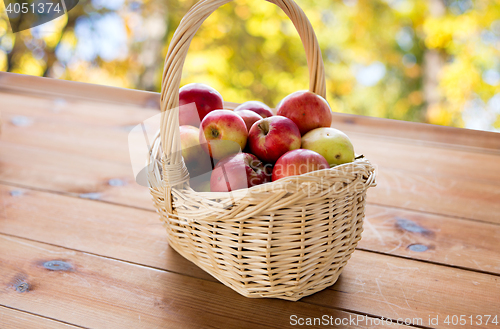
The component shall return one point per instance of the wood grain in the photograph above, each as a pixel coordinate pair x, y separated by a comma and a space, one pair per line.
55, 88
61, 126
414, 131
70, 90
436, 203
114, 231
51, 161
439, 195
92, 291
371, 283
65, 152
428, 158
75, 112
403, 288
10, 318
76, 175
58, 171
137, 236
433, 238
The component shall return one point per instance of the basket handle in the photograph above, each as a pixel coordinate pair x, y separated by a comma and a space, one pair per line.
174, 169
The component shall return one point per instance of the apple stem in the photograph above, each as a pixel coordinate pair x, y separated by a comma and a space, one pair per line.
264, 127
359, 157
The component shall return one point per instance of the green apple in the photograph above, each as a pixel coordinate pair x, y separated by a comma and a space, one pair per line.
331, 143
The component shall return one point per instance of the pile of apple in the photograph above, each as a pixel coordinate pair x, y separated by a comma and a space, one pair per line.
225, 150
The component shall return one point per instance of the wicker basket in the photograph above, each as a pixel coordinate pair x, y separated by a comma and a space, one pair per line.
286, 239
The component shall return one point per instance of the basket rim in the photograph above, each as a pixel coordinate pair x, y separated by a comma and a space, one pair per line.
284, 180
230, 206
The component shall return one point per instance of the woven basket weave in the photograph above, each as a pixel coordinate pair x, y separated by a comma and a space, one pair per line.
285, 239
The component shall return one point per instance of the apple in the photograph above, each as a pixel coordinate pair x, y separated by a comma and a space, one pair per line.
298, 162
249, 117
196, 160
331, 143
206, 99
201, 183
307, 109
270, 138
255, 106
238, 171
222, 132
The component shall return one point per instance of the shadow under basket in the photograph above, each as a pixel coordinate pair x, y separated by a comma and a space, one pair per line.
285, 239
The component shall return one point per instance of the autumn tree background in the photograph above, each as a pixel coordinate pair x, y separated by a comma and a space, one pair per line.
434, 61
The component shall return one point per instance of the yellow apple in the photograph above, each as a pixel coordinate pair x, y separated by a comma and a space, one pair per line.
196, 160
331, 143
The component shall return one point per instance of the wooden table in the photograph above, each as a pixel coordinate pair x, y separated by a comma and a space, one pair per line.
81, 246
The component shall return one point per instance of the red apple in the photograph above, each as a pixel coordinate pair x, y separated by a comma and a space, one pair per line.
307, 109
223, 132
238, 171
258, 107
206, 99
298, 162
196, 160
249, 117
270, 138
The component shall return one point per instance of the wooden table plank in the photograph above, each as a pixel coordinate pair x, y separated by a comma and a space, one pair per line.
10, 318
73, 90
129, 234
95, 292
12, 83
74, 112
57, 171
91, 120
428, 158
434, 238
120, 292
49, 154
396, 287
99, 231
119, 257
76, 175
414, 131
137, 236
82, 130
439, 195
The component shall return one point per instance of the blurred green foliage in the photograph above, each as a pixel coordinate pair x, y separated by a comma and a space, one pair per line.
435, 61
